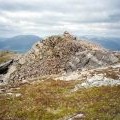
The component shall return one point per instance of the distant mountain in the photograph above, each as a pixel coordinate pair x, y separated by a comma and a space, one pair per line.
21, 43
3, 39
111, 43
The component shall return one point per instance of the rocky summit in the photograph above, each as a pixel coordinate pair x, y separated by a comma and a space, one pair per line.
59, 54
61, 78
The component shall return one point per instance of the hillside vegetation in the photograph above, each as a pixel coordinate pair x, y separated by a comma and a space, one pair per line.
53, 100
5, 56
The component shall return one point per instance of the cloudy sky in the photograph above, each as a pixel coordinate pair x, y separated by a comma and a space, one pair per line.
45, 17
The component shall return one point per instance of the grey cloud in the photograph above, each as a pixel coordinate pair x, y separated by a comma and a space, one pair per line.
115, 17
63, 14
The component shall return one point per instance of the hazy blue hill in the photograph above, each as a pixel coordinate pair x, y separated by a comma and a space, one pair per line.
112, 43
23, 43
20, 43
3, 39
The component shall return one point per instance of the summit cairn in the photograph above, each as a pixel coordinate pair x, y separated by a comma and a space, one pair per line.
58, 54
67, 35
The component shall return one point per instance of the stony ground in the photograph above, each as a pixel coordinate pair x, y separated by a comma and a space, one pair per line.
64, 97
103, 76
87, 95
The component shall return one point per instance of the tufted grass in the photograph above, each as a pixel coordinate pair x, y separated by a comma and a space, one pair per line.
52, 100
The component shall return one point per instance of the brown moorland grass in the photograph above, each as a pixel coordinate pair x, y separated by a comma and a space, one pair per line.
52, 100
5, 56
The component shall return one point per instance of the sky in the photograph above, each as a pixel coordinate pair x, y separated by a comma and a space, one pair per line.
47, 17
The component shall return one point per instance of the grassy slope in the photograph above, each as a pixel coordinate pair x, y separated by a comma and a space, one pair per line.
52, 100
5, 56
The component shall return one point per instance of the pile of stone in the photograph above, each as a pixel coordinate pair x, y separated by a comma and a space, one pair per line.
60, 53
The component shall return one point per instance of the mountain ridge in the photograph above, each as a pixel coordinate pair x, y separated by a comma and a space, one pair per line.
20, 43
110, 43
